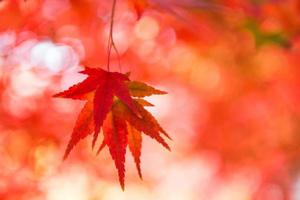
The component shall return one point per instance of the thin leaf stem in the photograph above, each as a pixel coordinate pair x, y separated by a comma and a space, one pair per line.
111, 43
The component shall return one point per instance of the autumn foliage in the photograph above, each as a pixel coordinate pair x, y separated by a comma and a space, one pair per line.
110, 106
230, 69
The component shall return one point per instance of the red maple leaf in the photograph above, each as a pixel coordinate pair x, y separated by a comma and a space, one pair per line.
106, 85
110, 105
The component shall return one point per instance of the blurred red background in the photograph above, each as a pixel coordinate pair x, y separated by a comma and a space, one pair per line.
231, 69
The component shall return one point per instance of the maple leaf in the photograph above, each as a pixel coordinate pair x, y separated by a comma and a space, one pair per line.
106, 85
110, 105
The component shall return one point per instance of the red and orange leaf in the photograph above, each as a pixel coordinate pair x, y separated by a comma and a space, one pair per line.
135, 146
115, 135
83, 127
110, 106
139, 89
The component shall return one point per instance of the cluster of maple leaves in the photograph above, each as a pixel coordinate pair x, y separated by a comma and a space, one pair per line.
115, 105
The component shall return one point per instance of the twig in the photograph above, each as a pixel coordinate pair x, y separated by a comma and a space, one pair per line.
111, 43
